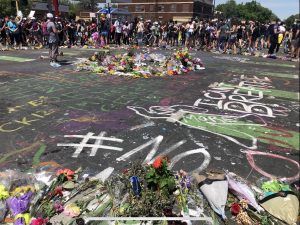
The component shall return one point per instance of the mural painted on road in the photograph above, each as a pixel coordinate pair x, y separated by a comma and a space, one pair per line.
66, 120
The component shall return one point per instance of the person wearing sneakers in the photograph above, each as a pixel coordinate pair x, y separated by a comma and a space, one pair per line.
53, 40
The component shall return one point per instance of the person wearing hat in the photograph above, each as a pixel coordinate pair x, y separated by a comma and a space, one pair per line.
53, 40
156, 32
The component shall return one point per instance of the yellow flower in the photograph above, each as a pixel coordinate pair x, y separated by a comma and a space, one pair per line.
21, 190
3, 193
72, 210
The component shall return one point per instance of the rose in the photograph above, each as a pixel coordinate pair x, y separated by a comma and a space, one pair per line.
69, 174
125, 171
39, 221
235, 209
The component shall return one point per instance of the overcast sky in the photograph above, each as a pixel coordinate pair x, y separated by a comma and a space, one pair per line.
282, 8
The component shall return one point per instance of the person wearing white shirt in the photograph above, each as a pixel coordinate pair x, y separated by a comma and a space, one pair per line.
118, 27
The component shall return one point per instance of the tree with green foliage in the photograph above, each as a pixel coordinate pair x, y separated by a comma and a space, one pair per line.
290, 20
248, 11
88, 5
8, 8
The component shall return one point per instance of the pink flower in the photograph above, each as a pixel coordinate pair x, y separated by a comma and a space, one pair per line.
39, 221
58, 191
58, 207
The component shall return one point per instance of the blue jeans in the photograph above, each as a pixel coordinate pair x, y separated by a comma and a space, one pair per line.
222, 41
139, 38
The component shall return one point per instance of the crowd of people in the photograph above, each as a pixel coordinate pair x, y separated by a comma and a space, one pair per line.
225, 36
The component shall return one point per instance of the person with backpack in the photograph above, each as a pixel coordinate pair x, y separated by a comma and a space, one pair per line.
45, 32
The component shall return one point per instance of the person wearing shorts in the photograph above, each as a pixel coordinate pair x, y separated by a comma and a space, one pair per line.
232, 39
53, 40
14, 32
104, 28
223, 37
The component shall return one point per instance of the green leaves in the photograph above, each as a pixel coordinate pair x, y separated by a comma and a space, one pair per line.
249, 11
69, 185
161, 178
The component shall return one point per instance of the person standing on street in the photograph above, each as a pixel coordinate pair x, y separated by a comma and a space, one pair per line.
273, 32
53, 41
14, 32
295, 40
140, 31
118, 27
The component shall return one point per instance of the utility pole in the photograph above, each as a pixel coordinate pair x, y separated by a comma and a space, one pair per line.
56, 7
156, 10
214, 8
110, 18
17, 6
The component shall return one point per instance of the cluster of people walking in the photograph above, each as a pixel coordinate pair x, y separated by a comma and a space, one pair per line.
225, 36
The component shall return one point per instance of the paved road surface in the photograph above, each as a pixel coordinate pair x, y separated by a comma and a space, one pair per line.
240, 114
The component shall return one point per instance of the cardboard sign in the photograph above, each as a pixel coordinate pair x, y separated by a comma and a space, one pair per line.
31, 14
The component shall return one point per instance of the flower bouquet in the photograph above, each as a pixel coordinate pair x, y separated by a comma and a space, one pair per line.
3, 196
183, 184
183, 56
280, 201
49, 202
19, 203
214, 187
239, 210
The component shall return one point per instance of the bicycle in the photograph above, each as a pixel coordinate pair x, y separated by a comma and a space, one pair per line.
148, 39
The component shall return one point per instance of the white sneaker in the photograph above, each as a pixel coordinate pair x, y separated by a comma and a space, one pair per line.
54, 64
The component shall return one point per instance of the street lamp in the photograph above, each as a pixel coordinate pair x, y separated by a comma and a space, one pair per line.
214, 8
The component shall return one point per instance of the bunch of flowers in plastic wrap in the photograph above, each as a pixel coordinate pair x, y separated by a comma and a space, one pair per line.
19, 203
4, 194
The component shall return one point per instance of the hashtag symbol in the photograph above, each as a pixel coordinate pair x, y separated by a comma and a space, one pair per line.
98, 144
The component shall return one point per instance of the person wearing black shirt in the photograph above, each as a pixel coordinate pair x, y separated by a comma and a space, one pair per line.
295, 39
273, 32
3, 36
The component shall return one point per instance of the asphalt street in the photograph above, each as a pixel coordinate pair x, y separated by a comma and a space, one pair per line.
240, 114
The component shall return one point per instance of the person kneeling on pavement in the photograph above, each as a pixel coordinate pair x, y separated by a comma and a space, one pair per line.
53, 40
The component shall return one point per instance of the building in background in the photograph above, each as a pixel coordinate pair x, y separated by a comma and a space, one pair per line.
41, 8
165, 10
